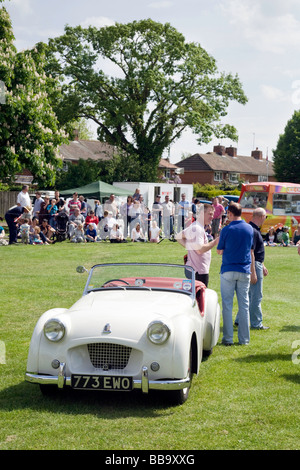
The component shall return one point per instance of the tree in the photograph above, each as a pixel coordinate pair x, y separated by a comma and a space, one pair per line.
286, 156
162, 86
29, 130
118, 168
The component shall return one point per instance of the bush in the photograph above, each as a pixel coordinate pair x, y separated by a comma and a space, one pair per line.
209, 191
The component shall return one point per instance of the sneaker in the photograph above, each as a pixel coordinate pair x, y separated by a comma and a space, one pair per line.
262, 327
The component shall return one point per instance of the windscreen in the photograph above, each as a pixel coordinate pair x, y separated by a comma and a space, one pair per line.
142, 276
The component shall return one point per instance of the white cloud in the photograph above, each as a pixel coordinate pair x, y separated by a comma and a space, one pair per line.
98, 21
265, 32
274, 94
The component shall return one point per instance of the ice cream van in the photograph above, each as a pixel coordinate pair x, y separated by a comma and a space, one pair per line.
280, 200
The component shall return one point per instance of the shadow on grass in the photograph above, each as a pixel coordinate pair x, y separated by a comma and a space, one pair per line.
290, 329
263, 358
107, 405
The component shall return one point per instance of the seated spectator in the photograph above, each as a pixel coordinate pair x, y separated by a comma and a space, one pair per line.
296, 236
37, 237
34, 223
75, 219
155, 231
285, 238
116, 235
2, 232
91, 218
106, 224
137, 234
78, 236
47, 231
271, 237
91, 233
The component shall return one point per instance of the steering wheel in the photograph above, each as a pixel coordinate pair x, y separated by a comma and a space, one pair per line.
116, 280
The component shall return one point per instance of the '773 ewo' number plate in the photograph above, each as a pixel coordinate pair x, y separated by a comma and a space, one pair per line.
101, 382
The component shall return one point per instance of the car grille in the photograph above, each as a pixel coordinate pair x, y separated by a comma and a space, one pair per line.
109, 356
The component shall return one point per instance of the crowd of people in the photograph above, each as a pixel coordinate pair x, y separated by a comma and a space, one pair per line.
197, 227
38, 222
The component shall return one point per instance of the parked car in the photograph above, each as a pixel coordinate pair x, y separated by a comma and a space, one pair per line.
136, 326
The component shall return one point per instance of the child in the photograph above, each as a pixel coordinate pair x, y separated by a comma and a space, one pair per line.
154, 232
91, 233
78, 236
285, 238
36, 236
24, 232
116, 235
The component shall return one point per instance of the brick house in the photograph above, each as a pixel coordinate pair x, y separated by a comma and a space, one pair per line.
96, 150
224, 164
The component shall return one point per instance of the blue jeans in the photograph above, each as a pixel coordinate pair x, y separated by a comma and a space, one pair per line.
239, 283
255, 297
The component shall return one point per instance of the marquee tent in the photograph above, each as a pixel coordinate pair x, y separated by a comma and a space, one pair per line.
96, 190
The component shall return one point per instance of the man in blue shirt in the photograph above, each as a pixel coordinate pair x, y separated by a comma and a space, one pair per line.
235, 246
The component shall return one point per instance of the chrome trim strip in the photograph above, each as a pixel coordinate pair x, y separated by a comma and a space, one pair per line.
144, 384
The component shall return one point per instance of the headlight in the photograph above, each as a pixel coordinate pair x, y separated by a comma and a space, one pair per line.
158, 332
54, 330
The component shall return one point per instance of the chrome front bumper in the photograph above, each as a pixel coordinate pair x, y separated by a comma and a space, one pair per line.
61, 380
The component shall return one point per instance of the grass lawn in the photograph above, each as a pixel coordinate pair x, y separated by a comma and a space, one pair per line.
244, 397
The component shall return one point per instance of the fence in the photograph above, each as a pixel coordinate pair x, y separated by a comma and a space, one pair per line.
7, 200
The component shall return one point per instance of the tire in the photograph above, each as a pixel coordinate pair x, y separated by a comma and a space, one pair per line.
178, 397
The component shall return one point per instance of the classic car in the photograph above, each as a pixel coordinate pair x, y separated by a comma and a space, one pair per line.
137, 326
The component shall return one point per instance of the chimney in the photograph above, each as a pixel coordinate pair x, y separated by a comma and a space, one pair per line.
76, 134
219, 149
257, 154
231, 151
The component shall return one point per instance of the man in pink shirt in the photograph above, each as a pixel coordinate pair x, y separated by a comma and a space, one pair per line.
73, 204
216, 222
194, 239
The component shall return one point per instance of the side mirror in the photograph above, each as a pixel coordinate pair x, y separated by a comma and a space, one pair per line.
81, 269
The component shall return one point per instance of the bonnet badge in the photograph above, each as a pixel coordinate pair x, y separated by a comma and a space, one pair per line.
106, 329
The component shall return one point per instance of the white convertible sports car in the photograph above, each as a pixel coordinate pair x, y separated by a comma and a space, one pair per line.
137, 326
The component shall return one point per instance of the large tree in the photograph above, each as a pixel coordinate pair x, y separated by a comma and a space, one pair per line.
30, 133
286, 156
161, 86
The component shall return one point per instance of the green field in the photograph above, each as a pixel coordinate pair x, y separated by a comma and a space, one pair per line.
245, 397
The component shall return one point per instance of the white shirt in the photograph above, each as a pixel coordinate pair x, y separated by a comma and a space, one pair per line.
168, 208
195, 238
23, 199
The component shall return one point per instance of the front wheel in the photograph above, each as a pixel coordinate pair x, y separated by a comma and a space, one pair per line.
178, 397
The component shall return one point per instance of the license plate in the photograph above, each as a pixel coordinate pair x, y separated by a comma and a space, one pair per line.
101, 382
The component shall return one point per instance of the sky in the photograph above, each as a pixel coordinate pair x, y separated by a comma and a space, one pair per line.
257, 39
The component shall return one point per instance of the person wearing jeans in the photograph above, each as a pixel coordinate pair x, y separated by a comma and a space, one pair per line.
239, 283
235, 246
258, 273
